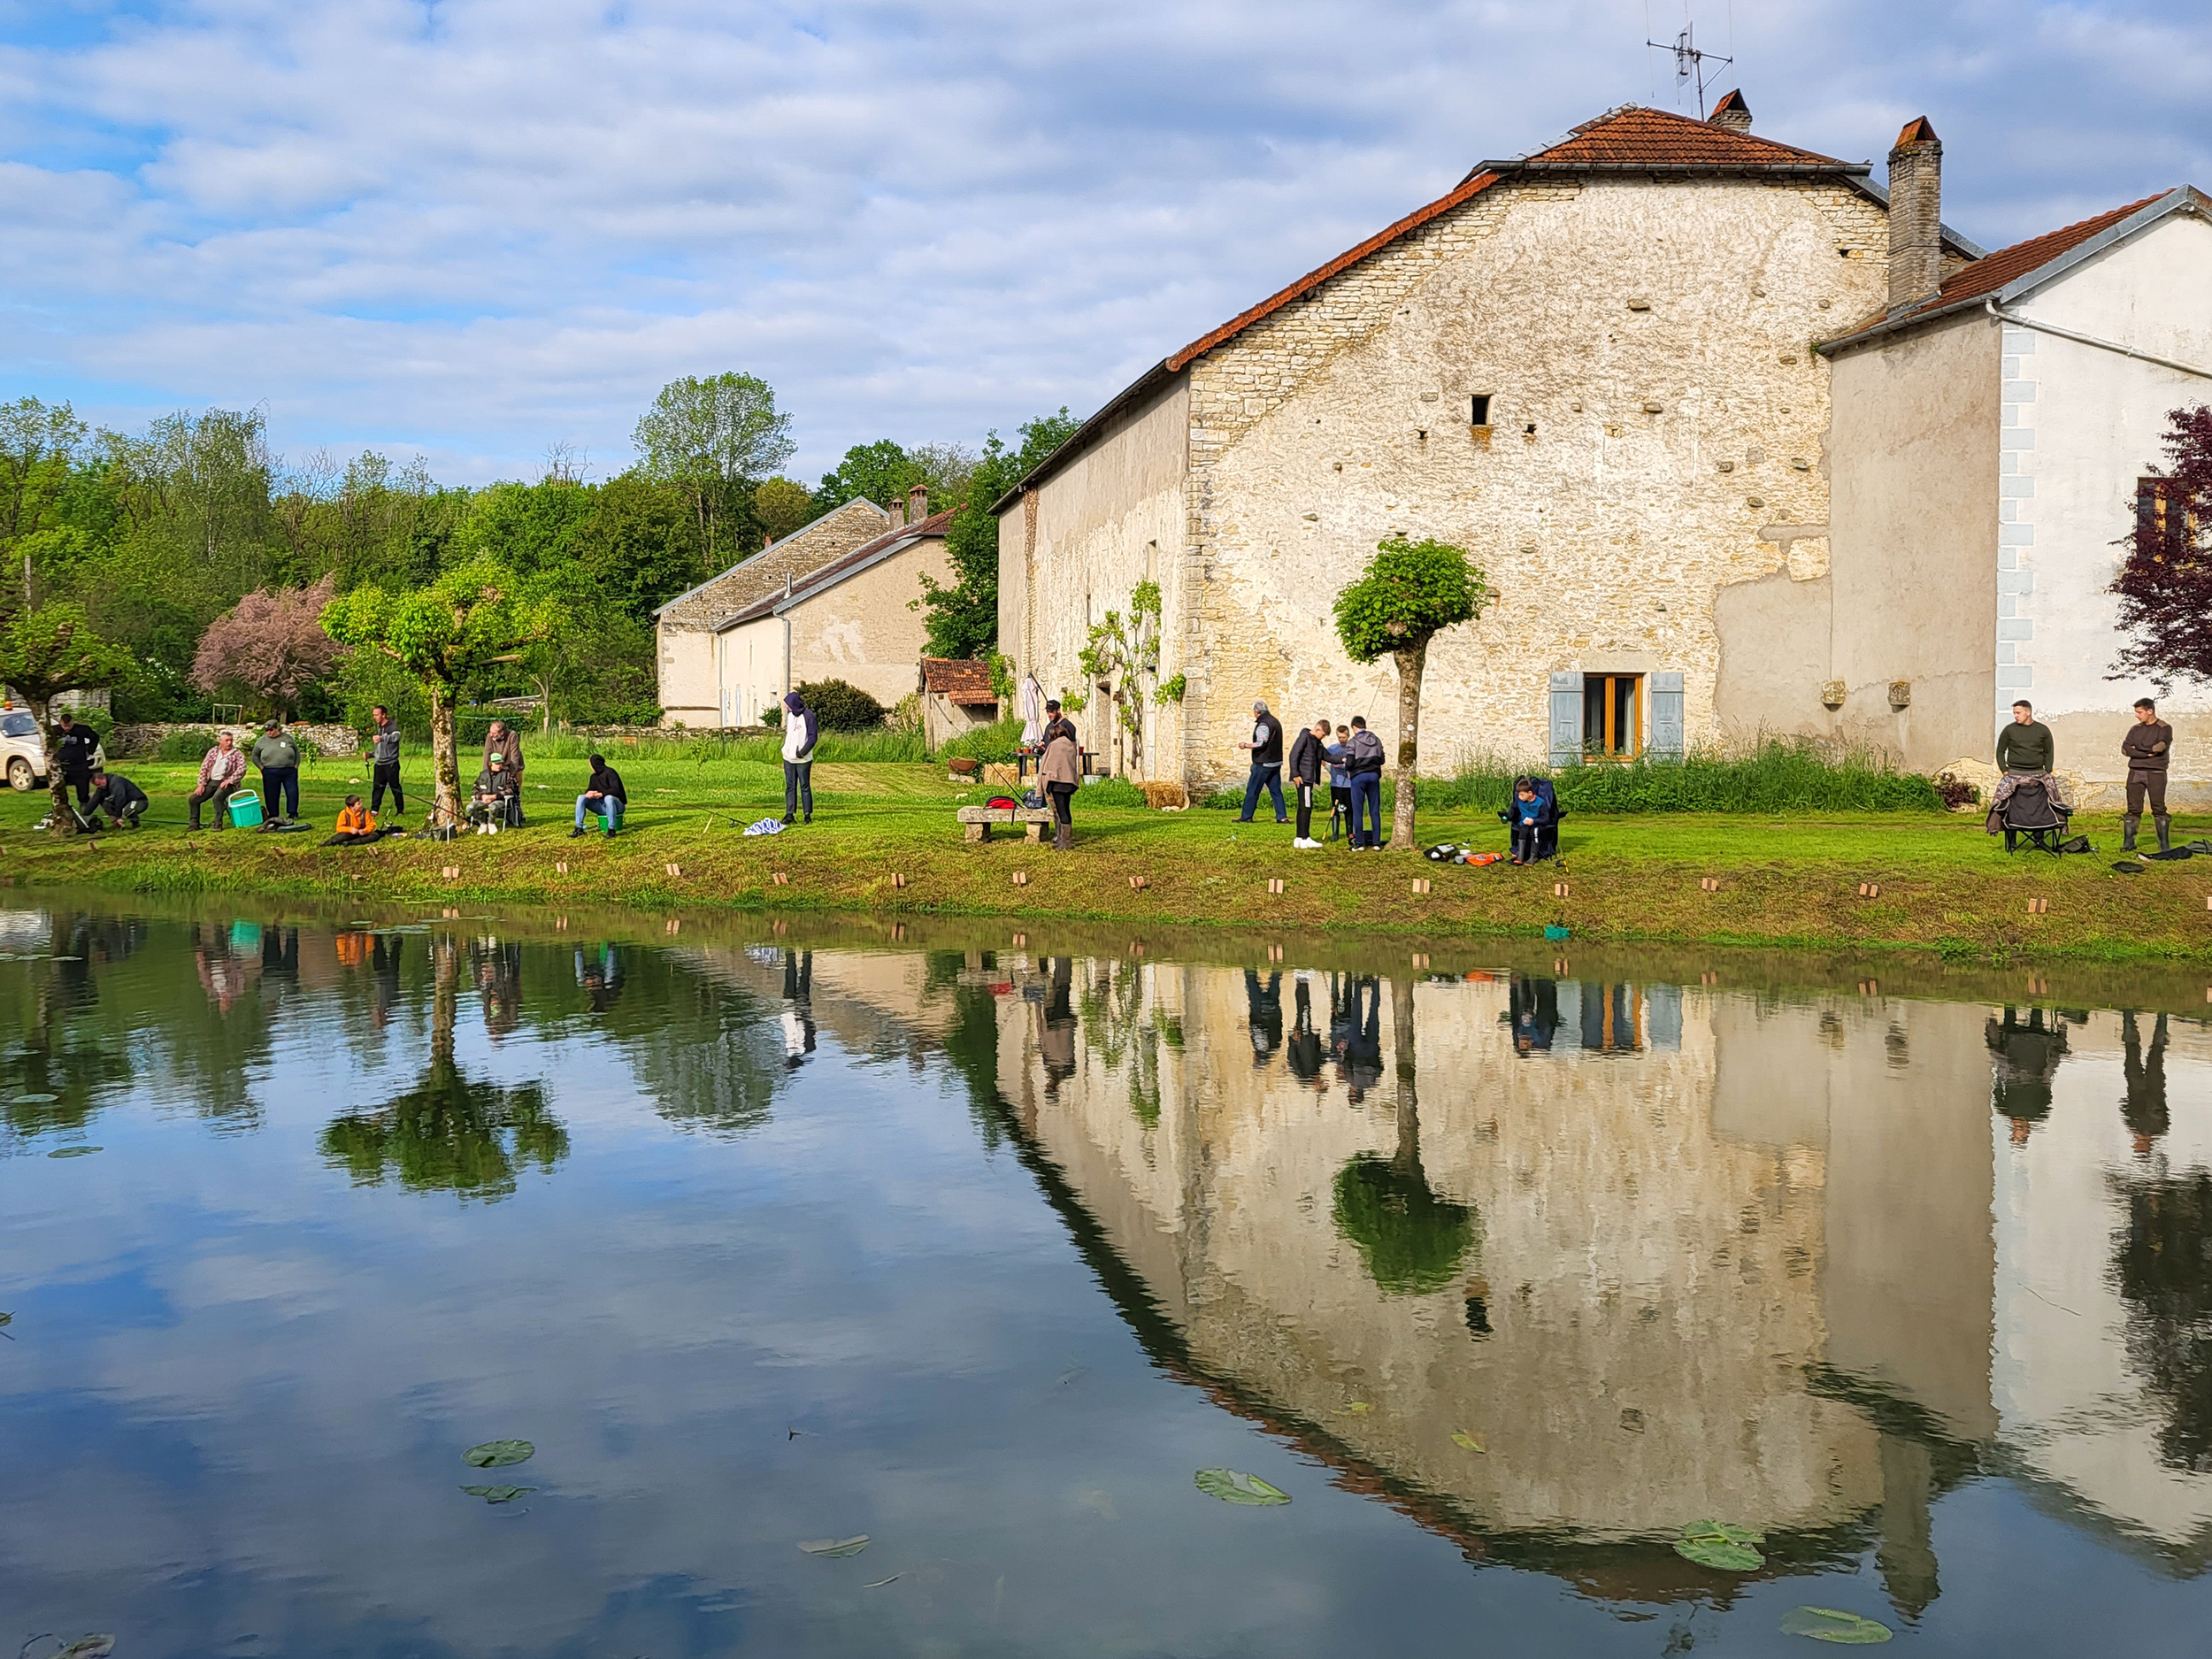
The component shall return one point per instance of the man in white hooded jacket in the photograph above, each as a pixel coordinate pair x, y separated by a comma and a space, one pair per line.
802, 731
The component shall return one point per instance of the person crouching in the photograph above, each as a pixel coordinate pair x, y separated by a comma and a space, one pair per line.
123, 801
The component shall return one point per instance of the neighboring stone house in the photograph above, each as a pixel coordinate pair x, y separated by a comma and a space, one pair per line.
957, 698
1995, 429
1590, 365
688, 662
853, 618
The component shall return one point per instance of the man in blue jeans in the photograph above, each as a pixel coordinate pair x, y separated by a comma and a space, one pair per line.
604, 795
1267, 764
1365, 763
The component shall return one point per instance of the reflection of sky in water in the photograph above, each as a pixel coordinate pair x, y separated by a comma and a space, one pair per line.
1017, 1247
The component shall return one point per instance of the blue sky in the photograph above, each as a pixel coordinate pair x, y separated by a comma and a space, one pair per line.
470, 229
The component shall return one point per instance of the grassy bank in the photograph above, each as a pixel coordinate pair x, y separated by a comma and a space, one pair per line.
1787, 879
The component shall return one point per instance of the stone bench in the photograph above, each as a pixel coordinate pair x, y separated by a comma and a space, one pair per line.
978, 820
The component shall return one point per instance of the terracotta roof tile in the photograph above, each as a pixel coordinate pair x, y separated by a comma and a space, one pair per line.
833, 571
1993, 271
1638, 138
966, 683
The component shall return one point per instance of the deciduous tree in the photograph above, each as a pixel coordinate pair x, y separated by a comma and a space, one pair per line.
44, 652
963, 618
1411, 592
2165, 583
270, 646
453, 636
717, 437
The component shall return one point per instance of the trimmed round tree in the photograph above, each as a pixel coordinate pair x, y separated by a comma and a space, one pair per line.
453, 636
1411, 592
44, 652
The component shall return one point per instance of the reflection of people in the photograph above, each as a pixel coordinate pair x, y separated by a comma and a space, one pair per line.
798, 1008
1056, 1044
1263, 1011
384, 978
2143, 1108
1362, 1056
2024, 1061
1477, 1300
1533, 1010
601, 977
1305, 1042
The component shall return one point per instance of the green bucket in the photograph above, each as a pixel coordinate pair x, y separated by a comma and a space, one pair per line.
245, 810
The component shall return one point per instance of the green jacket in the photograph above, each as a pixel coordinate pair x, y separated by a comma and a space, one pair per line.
2029, 748
277, 751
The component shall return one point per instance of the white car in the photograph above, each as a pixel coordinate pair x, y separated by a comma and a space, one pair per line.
23, 754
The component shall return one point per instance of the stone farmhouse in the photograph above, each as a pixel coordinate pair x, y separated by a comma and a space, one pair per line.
730, 648
1993, 431
853, 619
1593, 365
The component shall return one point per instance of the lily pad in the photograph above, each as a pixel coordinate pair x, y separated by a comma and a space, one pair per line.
1828, 1623
35, 1100
498, 1494
1718, 1545
1234, 1486
88, 1647
497, 1454
1467, 1442
74, 1152
835, 1546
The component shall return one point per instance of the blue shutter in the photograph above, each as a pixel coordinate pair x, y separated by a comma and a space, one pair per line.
1666, 717
1566, 719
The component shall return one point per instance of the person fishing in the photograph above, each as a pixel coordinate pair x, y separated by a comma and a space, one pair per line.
801, 734
1062, 769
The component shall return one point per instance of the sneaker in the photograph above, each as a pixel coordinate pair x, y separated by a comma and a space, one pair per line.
1306, 842
573, 834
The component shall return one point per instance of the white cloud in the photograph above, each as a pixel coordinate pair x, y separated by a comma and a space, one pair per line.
473, 227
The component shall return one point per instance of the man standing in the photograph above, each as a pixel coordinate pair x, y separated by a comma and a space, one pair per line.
1267, 764
1308, 755
2149, 746
1364, 764
504, 742
384, 761
279, 758
221, 771
73, 751
802, 734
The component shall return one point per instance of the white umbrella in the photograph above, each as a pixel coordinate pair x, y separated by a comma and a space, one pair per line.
1032, 712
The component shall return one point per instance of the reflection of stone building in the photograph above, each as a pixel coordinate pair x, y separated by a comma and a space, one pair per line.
1723, 1258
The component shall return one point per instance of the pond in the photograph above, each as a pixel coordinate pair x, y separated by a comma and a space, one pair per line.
1520, 1281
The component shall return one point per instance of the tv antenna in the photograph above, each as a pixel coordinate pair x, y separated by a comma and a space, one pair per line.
1689, 62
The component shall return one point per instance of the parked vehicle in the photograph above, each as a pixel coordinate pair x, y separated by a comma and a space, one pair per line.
23, 753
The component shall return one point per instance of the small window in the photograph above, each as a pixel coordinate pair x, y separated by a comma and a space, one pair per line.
1612, 717
1478, 410
2161, 511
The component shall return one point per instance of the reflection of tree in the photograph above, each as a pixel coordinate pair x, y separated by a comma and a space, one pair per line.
1118, 1026
2024, 1060
710, 1055
57, 1050
1411, 1241
2162, 1262
2143, 1107
450, 1132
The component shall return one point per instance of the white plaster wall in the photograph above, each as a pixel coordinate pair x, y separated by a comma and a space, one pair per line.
751, 662
2081, 425
863, 630
686, 661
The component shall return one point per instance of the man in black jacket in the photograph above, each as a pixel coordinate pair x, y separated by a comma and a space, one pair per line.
73, 751
604, 795
1307, 759
123, 801
2149, 748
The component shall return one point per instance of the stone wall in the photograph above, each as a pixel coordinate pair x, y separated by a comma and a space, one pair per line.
140, 741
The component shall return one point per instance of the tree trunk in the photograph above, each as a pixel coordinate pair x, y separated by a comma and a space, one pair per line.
1410, 664
60, 821
1408, 1158
445, 759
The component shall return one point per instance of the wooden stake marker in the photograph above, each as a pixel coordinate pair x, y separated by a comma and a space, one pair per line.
898, 879
1559, 890
560, 866
2039, 907
1870, 889
1559, 965
674, 926
452, 872
1869, 987
1709, 978
1420, 958
1021, 941
1420, 884
2038, 988
1274, 884
1021, 877
1136, 949
781, 878
676, 870
1137, 884
560, 923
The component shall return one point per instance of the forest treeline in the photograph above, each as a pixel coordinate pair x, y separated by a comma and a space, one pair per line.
156, 536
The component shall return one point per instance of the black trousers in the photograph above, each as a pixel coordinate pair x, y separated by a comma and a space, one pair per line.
1524, 838
1305, 810
2141, 783
798, 790
382, 776
81, 782
1063, 798
281, 780
1340, 807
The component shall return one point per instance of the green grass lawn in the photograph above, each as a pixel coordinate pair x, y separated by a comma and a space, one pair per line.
1783, 880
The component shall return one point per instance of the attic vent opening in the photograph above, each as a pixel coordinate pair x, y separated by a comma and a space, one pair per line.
1478, 410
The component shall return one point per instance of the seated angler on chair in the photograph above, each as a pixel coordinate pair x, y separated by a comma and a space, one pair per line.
1531, 816
2028, 800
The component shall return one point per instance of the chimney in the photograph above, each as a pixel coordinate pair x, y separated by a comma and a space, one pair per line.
1916, 216
767, 542
917, 503
1731, 112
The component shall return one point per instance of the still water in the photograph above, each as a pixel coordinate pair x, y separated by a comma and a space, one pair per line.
1503, 1278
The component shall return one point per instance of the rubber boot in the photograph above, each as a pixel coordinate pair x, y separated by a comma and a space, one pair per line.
1064, 839
2165, 827
2127, 825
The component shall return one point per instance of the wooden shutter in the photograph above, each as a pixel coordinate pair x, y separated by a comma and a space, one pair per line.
1566, 719
1666, 717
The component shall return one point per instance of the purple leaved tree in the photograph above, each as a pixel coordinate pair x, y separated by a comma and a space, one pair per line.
270, 646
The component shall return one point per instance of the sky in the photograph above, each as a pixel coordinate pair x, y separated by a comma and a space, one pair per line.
473, 230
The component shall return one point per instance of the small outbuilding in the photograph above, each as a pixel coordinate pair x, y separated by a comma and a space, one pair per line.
957, 698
